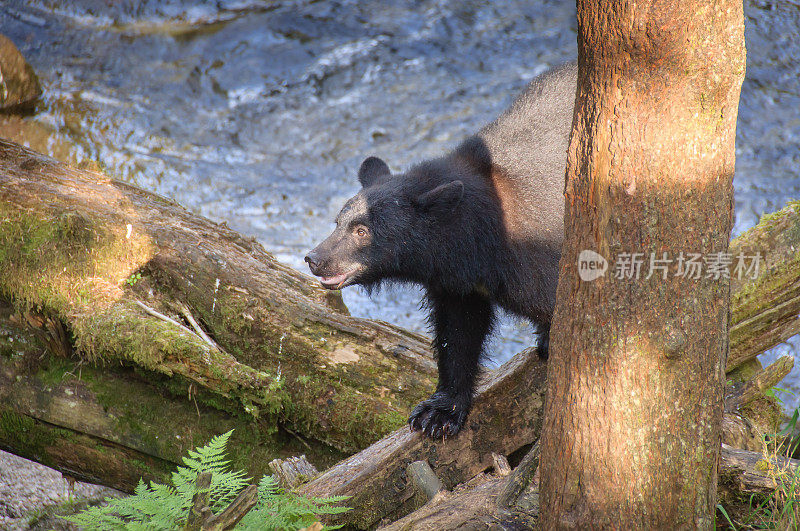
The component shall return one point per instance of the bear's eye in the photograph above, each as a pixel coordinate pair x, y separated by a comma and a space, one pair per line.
361, 231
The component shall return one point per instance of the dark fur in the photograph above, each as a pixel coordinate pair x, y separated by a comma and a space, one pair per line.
479, 227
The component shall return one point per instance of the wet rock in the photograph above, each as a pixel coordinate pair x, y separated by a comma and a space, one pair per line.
32, 495
19, 86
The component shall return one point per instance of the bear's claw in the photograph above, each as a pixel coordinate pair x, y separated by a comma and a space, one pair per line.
441, 415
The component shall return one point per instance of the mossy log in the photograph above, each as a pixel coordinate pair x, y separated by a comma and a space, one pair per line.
765, 309
137, 300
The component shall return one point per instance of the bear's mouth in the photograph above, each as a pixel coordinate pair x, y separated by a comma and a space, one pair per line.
339, 281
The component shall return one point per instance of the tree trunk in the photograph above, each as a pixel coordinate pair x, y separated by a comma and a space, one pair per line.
637, 367
105, 275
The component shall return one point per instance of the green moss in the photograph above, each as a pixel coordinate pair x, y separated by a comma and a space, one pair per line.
349, 426
22, 432
229, 308
744, 372
747, 301
763, 466
122, 332
136, 406
770, 219
63, 262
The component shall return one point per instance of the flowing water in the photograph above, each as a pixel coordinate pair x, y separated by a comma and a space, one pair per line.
259, 113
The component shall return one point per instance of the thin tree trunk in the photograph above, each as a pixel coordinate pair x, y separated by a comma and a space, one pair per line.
635, 379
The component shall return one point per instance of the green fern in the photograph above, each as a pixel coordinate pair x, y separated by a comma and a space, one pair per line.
277, 509
225, 484
164, 507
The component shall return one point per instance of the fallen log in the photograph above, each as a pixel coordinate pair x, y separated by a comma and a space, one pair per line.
505, 417
292, 472
765, 309
480, 506
103, 275
742, 472
474, 507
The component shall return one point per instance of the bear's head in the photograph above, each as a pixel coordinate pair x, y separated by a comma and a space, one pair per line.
383, 232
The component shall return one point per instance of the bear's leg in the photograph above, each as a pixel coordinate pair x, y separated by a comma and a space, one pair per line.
461, 324
543, 349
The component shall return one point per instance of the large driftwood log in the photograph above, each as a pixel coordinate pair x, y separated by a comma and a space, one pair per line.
91, 269
743, 472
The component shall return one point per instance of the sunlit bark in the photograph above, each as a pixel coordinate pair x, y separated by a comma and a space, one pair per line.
632, 417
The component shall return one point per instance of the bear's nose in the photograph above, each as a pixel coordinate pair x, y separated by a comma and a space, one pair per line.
311, 260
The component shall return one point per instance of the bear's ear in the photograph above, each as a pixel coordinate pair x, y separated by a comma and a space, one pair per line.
371, 170
443, 199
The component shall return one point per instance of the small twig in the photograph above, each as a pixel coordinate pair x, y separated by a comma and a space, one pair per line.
199, 334
161, 316
185, 312
290, 432
199, 511
191, 396
519, 478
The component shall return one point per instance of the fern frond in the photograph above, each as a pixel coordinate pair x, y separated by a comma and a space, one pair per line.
158, 507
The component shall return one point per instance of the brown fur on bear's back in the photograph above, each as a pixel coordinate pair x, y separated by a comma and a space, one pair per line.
528, 147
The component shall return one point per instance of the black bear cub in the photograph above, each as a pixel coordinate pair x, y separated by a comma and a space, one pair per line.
479, 227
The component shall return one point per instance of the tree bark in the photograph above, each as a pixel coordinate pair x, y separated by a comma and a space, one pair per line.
635, 379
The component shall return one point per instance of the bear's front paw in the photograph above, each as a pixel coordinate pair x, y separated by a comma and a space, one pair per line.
442, 415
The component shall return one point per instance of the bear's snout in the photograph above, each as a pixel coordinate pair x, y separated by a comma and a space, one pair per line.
313, 262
